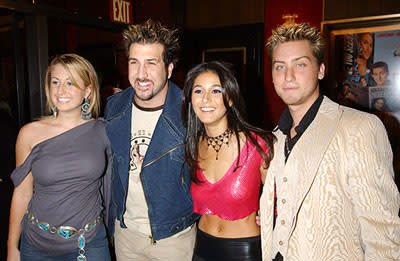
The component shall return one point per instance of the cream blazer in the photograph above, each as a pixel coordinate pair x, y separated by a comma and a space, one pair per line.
337, 198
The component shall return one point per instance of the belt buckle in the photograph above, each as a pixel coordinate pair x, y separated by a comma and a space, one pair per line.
43, 226
90, 225
81, 258
30, 217
67, 231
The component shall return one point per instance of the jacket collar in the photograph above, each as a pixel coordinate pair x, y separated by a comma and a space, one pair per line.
124, 102
172, 107
286, 121
171, 111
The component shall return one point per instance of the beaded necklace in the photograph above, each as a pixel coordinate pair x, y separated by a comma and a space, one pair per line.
217, 141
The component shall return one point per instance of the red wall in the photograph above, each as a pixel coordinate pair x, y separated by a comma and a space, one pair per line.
308, 11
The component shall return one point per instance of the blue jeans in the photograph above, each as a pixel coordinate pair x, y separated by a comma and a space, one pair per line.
95, 250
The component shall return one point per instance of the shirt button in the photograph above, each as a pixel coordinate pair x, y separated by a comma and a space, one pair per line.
283, 222
283, 201
284, 179
280, 243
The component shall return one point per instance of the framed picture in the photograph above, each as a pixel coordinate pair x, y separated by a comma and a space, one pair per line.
363, 70
364, 62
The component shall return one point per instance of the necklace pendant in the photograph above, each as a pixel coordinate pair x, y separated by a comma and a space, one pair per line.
217, 142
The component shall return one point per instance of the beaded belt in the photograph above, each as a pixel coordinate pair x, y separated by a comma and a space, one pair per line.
66, 232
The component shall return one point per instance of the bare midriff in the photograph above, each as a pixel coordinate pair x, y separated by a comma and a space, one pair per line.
218, 227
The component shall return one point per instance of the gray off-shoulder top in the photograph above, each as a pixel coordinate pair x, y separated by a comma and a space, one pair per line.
72, 176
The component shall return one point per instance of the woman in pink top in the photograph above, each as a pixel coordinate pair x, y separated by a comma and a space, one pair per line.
227, 159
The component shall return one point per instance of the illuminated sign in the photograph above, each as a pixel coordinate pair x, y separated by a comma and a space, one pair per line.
121, 11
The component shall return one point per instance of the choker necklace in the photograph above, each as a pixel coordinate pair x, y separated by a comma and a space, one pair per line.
217, 142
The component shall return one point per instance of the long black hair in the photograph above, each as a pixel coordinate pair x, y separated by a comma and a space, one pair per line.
370, 59
234, 112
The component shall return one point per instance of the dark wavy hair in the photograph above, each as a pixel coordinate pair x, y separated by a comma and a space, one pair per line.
370, 60
235, 112
151, 32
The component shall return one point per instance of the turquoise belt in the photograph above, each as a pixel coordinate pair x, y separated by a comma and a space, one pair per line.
66, 232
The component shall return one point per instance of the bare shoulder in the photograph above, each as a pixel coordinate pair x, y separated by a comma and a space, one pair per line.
34, 132
233, 140
242, 137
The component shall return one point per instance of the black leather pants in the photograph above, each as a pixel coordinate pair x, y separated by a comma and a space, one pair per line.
211, 248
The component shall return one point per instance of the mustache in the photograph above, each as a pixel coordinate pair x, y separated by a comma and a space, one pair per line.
143, 80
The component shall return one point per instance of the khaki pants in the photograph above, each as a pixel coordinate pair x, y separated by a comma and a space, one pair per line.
131, 245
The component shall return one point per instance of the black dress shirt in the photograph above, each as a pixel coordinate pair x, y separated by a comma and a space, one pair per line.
285, 124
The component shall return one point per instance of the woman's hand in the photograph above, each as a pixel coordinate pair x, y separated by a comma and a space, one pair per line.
258, 219
263, 171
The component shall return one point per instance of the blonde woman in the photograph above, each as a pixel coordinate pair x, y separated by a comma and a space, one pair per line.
61, 180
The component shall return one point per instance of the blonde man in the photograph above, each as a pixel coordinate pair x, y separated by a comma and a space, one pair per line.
336, 198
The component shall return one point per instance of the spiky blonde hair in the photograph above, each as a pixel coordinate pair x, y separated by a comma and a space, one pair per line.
295, 32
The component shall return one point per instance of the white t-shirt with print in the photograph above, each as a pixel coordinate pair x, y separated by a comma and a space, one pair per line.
144, 121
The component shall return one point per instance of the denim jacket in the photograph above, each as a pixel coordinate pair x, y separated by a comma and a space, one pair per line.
165, 178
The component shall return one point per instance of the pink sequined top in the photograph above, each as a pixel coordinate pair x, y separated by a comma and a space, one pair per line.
236, 194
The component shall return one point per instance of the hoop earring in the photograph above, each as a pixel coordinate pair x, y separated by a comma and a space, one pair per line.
54, 110
86, 115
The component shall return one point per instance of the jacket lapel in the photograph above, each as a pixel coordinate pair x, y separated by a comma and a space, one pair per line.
119, 133
169, 132
268, 196
307, 154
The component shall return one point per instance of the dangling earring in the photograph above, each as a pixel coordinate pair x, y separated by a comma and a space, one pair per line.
85, 115
54, 110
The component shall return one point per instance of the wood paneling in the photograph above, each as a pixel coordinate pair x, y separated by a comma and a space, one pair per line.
217, 13
341, 9
335, 9
390, 6
360, 8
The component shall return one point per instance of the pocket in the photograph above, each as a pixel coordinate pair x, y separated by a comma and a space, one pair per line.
100, 239
27, 251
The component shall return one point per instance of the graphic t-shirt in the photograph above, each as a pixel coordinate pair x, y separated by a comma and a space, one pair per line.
144, 121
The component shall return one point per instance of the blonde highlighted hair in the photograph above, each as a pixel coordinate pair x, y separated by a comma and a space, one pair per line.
295, 32
85, 70
153, 32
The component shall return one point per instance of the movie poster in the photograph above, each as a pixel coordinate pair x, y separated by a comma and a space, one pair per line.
369, 73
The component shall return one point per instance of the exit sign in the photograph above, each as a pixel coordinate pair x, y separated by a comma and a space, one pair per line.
121, 11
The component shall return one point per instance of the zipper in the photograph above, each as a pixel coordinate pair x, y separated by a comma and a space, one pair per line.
152, 241
162, 155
